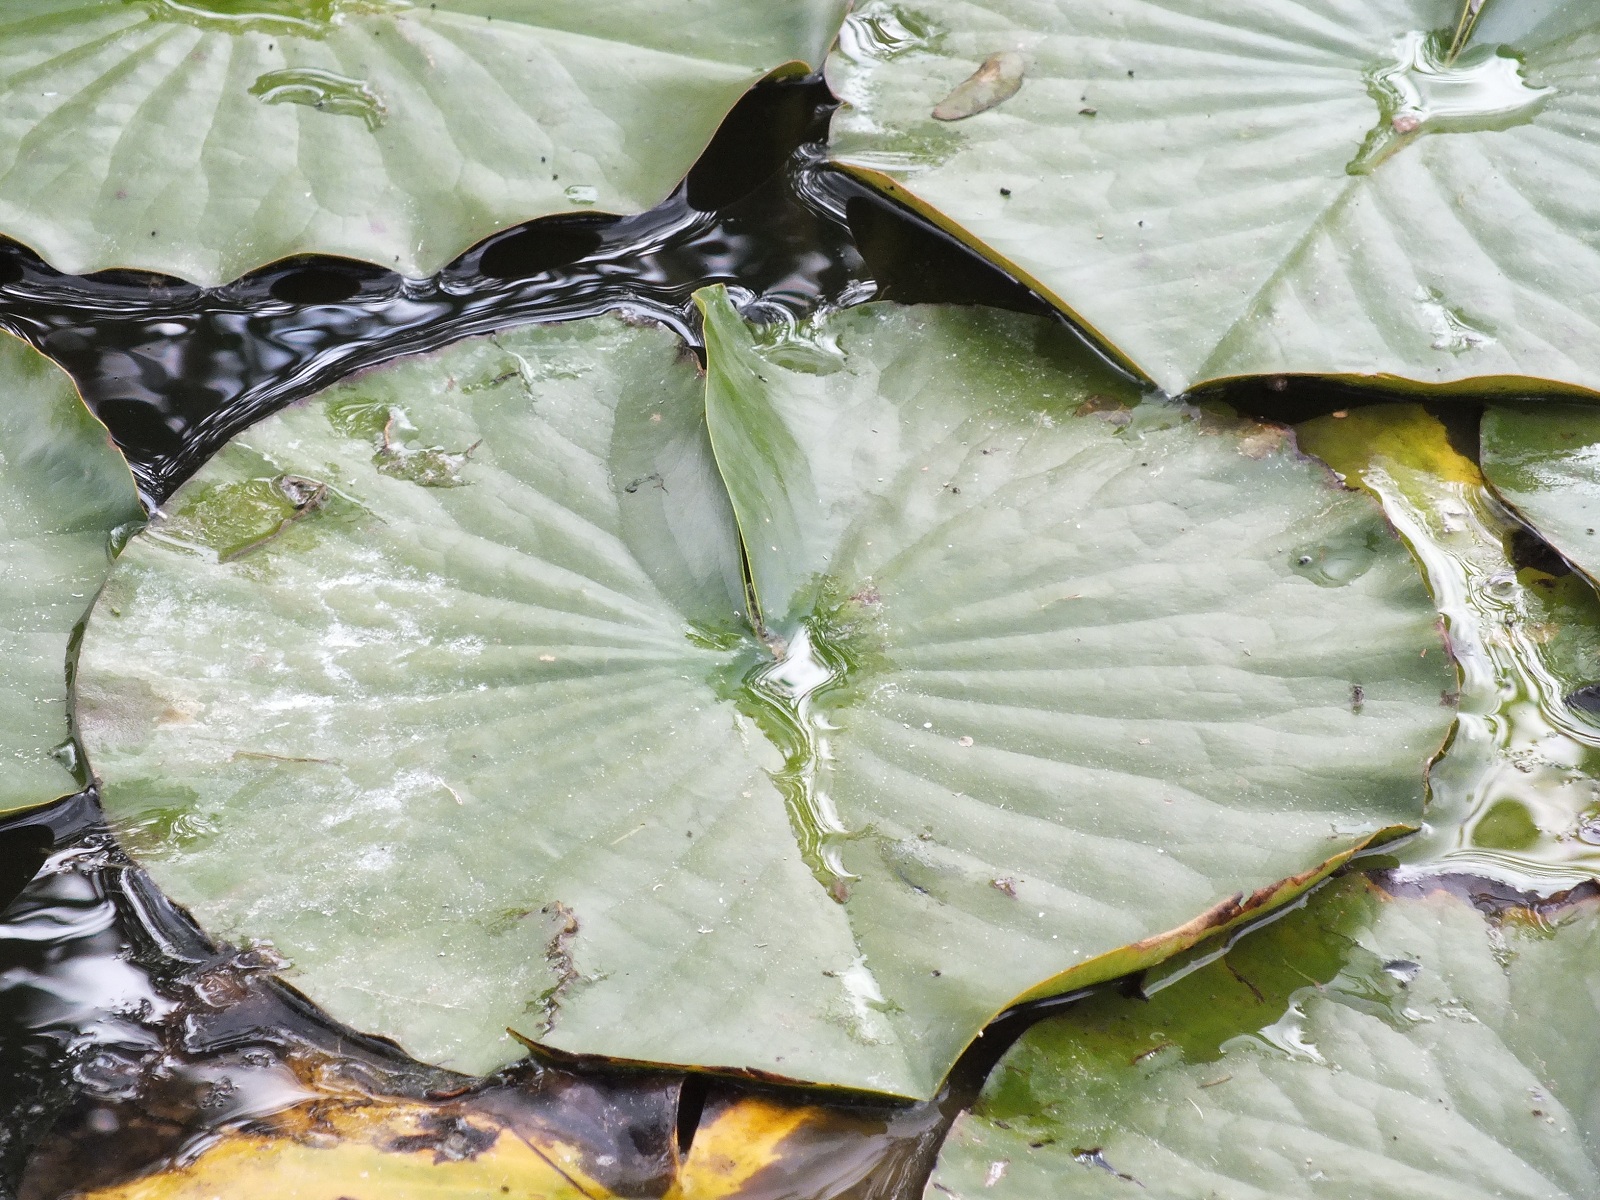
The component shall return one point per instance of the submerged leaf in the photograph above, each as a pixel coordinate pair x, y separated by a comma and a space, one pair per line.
204, 138
64, 493
1030, 697
1266, 186
1365, 1046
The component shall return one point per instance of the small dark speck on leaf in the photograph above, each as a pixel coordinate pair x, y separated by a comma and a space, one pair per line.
1088, 111
1358, 698
1007, 192
936, 974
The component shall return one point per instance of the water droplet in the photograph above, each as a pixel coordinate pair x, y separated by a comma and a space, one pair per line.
1336, 563
325, 91
1450, 327
880, 31
580, 193
1423, 92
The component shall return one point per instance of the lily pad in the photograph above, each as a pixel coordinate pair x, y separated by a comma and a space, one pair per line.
1544, 461
1261, 186
1516, 797
1038, 686
64, 491
1365, 1046
203, 138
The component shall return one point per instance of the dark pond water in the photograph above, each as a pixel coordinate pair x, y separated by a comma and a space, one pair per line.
125, 1034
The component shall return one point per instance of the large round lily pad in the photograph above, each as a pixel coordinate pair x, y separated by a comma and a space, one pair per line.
64, 492
202, 138
448, 683
1367, 1046
1261, 186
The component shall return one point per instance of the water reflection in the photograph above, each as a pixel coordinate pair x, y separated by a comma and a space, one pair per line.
1517, 793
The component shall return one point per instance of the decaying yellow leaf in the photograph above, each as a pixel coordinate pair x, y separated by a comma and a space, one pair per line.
734, 1143
388, 1151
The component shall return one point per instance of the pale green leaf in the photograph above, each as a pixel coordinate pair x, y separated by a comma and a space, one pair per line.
64, 491
202, 138
444, 683
1544, 460
1263, 186
1372, 1047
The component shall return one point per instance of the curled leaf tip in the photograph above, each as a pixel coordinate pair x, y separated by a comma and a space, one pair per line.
995, 82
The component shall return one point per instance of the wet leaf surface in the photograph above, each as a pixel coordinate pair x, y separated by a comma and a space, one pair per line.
64, 490
1364, 1045
1542, 461
499, 755
203, 138
1516, 797
1269, 187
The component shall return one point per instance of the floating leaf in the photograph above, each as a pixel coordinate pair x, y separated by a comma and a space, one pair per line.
1261, 186
1365, 1046
64, 491
1030, 696
1544, 460
1517, 795
203, 138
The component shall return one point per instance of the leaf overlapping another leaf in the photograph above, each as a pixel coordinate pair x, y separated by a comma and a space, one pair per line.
796, 719
1262, 187
1366, 1046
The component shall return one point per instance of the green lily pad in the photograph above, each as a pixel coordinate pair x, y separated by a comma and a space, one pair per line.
1038, 687
1260, 187
203, 138
1516, 797
1365, 1046
1544, 461
64, 492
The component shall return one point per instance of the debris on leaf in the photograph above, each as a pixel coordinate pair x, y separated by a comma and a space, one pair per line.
995, 82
